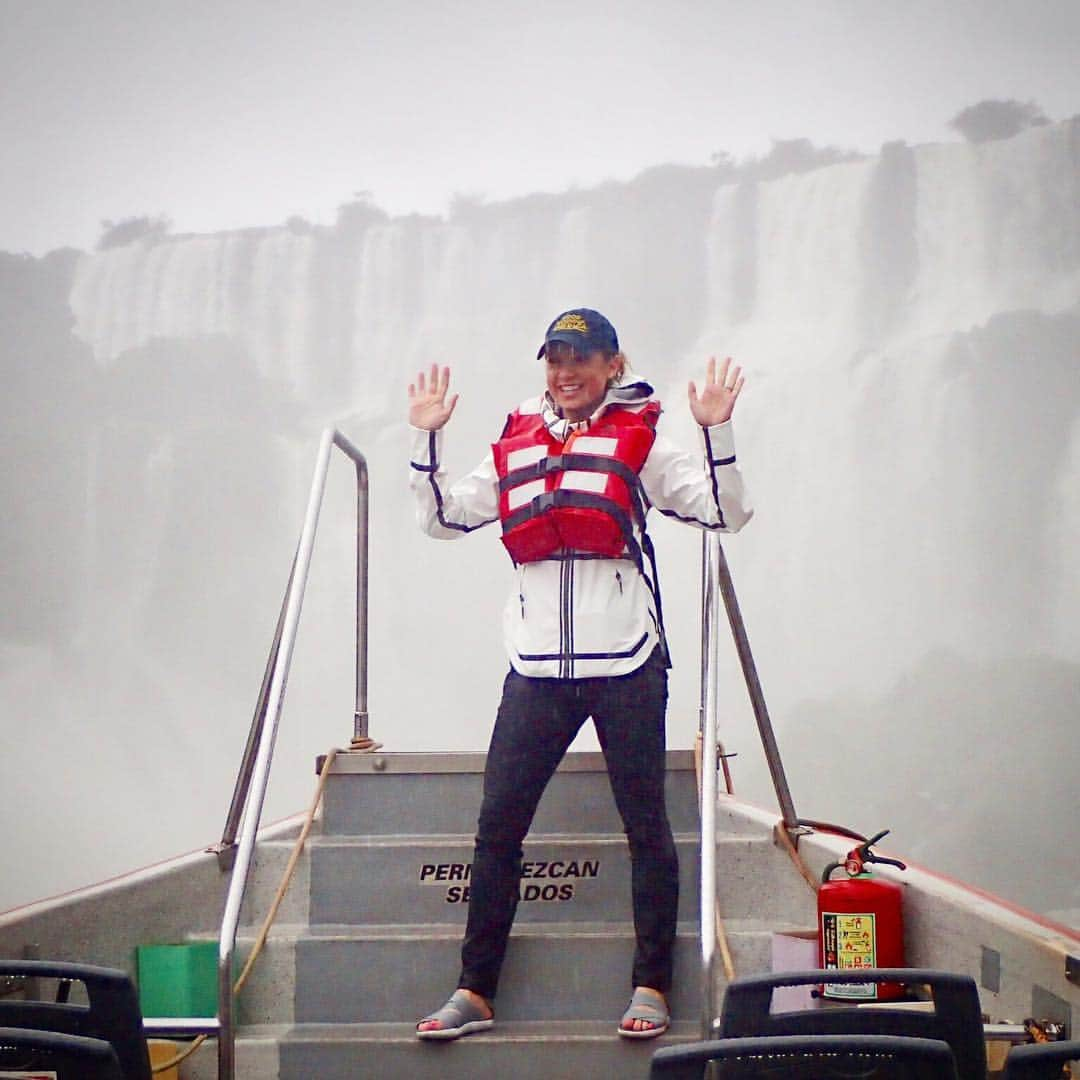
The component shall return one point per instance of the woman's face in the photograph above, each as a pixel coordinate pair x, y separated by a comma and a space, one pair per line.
577, 383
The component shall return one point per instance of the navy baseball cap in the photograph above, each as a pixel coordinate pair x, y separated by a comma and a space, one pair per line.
584, 329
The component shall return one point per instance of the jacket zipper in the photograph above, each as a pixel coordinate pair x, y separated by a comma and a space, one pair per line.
570, 614
565, 615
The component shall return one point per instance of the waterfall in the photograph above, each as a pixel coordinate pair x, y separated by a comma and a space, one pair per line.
910, 434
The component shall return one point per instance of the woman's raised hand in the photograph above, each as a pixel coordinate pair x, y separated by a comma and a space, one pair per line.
717, 401
428, 408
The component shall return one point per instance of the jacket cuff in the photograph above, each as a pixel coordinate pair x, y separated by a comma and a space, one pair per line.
426, 450
719, 444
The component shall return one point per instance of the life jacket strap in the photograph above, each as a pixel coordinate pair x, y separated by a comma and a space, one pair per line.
556, 463
579, 500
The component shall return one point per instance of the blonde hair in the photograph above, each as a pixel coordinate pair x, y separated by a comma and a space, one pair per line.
624, 368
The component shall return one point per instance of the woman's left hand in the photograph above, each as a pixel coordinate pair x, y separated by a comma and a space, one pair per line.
717, 401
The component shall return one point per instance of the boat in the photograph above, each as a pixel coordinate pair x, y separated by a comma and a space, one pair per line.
367, 908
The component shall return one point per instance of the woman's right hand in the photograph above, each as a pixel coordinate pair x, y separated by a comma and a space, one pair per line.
428, 408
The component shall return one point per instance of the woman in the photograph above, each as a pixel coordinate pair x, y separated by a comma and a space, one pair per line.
570, 481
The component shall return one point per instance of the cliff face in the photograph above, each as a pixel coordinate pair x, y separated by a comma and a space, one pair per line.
910, 433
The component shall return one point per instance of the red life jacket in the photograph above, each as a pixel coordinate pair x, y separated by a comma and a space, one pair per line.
581, 495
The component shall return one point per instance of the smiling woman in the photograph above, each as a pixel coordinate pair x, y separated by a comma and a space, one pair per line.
577, 383
583, 362
571, 480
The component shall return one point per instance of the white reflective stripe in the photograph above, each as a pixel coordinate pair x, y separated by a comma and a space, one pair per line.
594, 444
584, 481
523, 493
518, 459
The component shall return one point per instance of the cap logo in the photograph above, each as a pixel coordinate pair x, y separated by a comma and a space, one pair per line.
572, 321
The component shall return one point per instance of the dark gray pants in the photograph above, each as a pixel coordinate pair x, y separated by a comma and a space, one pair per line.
536, 722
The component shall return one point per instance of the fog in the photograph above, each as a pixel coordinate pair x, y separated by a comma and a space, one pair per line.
910, 434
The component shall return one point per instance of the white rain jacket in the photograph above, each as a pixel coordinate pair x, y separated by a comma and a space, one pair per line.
580, 616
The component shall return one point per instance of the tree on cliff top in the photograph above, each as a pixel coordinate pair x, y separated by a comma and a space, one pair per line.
785, 156
993, 119
127, 230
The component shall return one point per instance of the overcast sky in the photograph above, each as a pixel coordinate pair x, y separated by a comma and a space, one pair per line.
244, 112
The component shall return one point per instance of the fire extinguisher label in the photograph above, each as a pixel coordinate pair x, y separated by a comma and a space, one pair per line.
850, 944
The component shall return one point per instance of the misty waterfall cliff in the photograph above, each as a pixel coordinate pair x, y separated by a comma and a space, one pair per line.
910, 434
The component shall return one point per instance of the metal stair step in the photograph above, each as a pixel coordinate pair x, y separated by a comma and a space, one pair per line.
385, 878
269, 996
552, 971
428, 794
426, 879
523, 1050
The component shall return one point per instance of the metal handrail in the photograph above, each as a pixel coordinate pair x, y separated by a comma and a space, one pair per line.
757, 696
225, 849
716, 583
251, 785
710, 613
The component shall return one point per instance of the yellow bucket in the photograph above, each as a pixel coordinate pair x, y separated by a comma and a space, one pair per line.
162, 1050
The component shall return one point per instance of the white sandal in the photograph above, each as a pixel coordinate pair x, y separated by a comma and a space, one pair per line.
645, 1005
459, 1016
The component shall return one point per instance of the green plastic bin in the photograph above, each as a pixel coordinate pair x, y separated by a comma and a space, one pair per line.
178, 980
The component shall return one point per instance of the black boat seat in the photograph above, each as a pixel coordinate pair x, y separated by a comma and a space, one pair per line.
956, 1017
807, 1057
67, 1057
1041, 1061
112, 1013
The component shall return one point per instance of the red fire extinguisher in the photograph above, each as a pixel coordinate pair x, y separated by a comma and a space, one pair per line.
861, 924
